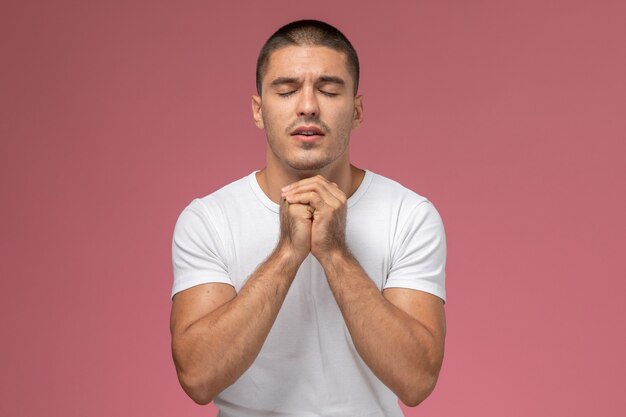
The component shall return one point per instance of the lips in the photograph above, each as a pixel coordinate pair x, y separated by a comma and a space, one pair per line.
308, 131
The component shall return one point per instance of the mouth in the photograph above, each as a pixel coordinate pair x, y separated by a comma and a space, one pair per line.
307, 133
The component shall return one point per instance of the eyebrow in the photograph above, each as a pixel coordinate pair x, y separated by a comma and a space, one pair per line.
332, 79
284, 80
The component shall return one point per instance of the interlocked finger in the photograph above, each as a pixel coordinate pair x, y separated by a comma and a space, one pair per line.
311, 198
329, 193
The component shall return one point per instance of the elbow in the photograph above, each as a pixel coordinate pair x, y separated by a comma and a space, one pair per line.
200, 398
412, 402
415, 394
198, 390
417, 390
413, 399
197, 385
423, 379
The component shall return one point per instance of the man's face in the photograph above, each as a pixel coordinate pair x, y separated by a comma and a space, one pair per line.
307, 108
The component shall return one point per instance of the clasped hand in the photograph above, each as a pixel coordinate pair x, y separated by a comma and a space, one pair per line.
313, 217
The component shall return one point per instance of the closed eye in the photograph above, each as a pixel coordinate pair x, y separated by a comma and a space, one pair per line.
328, 93
287, 93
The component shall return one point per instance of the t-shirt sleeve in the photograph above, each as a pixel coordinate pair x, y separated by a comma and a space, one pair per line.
418, 257
197, 250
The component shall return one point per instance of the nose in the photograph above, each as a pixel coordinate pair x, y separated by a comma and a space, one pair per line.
307, 103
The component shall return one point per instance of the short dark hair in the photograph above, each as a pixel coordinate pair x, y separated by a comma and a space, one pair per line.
307, 33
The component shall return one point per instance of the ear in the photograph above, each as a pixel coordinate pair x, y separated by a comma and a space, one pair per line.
257, 114
358, 112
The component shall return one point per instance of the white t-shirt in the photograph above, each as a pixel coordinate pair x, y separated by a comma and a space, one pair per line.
308, 366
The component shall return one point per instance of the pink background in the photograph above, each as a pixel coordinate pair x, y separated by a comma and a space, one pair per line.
509, 115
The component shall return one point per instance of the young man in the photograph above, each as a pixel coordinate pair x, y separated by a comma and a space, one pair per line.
310, 287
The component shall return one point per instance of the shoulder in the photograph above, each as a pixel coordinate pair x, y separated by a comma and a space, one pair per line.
405, 207
212, 208
228, 194
391, 192
220, 199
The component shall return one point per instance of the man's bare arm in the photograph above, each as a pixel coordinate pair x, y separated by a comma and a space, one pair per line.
216, 333
400, 335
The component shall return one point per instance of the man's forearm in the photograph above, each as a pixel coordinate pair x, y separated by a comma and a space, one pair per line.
216, 349
398, 349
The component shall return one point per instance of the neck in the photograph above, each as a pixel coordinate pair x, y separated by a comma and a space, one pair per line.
271, 179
